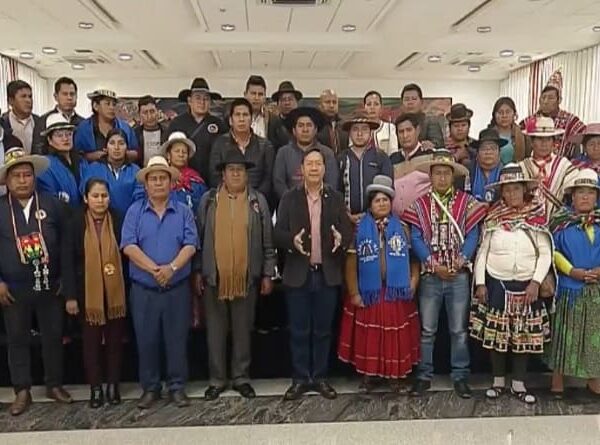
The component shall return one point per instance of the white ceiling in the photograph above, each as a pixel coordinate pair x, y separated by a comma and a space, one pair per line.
185, 39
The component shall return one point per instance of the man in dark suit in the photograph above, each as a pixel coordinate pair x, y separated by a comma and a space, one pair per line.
313, 229
20, 119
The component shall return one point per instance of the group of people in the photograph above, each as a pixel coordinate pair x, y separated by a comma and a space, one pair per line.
101, 221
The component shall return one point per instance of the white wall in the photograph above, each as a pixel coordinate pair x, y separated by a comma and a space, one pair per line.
479, 95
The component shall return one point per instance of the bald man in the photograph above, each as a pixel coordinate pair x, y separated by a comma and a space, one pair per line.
332, 134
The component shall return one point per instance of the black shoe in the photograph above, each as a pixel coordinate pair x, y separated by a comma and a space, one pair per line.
295, 391
419, 388
245, 390
462, 389
213, 392
148, 399
96, 397
179, 398
325, 389
113, 395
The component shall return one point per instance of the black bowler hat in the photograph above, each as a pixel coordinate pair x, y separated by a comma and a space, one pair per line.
313, 113
489, 135
198, 84
459, 113
234, 156
286, 87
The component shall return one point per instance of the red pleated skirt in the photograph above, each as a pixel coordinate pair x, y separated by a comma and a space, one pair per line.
380, 340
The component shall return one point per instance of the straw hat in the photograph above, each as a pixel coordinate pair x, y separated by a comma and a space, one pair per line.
442, 156
590, 130
17, 156
157, 163
585, 178
544, 127
56, 121
512, 173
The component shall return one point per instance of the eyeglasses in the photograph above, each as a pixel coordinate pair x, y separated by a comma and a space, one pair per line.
63, 133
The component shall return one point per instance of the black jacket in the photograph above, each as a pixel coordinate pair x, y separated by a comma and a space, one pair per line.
8, 140
78, 231
35, 140
139, 133
333, 136
293, 216
203, 134
259, 152
40, 143
277, 133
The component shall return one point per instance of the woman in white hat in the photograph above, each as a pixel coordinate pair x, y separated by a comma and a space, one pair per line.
380, 329
67, 168
513, 260
189, 187
576, 322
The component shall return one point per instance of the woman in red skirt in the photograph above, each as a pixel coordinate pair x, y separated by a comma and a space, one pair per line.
380, 324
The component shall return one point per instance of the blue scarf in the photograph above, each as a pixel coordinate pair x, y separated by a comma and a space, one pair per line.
369, 265
479, 182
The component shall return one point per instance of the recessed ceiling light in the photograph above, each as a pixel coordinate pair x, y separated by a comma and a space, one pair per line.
86, 25
78, 66
26, 55
525, 59
507, 53
222, 10
596, 29
49, 50
349, 28
484, 29
126, 57
434, 59
474, 68
227, 27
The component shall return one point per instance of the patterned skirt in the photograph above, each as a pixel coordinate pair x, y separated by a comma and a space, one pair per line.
380, 340
503, 330
576, 335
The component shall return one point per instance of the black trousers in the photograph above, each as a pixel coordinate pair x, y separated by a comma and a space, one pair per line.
49, 310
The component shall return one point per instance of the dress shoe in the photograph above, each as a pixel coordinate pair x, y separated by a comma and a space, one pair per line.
59, 394
325, 389
113, 395
96, 397
295, 391
245, 390
213, 392
21, 403
419, 388
462, 389
148, 399
179, 398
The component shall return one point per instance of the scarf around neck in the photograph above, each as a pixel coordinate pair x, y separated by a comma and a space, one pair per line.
231, 244
370, 236
103, 273
187, 176
567, 217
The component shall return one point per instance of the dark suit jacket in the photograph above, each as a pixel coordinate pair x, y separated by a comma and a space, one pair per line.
293, 216
78, 228
35, 141
277, 133
139, 133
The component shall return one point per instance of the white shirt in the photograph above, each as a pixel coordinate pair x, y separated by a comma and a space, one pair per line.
27, 210
258, 125
510, 255
151, 143
385, 137
22, 129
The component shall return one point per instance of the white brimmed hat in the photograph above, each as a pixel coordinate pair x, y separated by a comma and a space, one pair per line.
110, 94
512, 173
585, 178
544, 127
56, 121
157, 163
178, 136
442, 156
16, 156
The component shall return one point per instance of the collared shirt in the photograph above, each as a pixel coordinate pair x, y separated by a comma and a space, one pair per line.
315, 205
116, 171
259, 125
23, 129
161, 239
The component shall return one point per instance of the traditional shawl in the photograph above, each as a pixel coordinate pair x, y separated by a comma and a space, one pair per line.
103, 273
231, 244
532, 215
478, 189
187, 176
582, 161
369, 237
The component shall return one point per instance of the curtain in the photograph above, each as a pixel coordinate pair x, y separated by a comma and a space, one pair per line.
10, 70
581, 83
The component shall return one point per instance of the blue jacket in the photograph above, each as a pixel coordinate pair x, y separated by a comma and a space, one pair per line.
86, 142
123, 191
61, 182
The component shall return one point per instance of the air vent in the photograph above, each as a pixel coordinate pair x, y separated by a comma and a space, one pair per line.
472, 13
149, 57
100, 11
86, 60
291, 3
84, 51
408, 60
